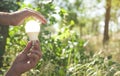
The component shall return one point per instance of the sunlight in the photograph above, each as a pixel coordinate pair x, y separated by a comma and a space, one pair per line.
28, 1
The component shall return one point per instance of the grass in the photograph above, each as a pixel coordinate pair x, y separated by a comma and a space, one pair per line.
112, 49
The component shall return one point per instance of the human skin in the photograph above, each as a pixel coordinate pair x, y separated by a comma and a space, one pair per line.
30, 56
16, 18
26, 60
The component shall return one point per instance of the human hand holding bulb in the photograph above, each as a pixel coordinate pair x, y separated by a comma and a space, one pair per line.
32, 29
30, 56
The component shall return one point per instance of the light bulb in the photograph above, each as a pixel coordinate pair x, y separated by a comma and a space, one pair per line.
32, 29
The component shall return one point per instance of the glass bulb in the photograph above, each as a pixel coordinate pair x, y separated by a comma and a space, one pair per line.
32, 28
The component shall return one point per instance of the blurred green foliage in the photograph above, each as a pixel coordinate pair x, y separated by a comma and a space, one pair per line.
64, 53
10, 5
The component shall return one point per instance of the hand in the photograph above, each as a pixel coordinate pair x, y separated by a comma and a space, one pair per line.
19, 16
26, 60
16, 18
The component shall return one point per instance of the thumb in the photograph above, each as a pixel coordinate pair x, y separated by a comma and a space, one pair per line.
28, 47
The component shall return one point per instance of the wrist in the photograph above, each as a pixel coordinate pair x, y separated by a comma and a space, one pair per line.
12, 72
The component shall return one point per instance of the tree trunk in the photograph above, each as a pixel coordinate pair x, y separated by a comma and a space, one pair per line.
3, 38
107, 19
4, 29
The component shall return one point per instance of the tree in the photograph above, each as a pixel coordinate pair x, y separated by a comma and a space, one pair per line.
107, 19
5, 6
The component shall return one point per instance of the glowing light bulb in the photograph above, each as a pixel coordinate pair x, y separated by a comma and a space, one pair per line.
32, 28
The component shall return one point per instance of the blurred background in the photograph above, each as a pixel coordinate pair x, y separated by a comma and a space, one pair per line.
81, 37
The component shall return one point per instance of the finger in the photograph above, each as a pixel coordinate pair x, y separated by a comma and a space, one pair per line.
40, 17
28, 47
37, 15
44, 21
34, 58
37, 52
36, 45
